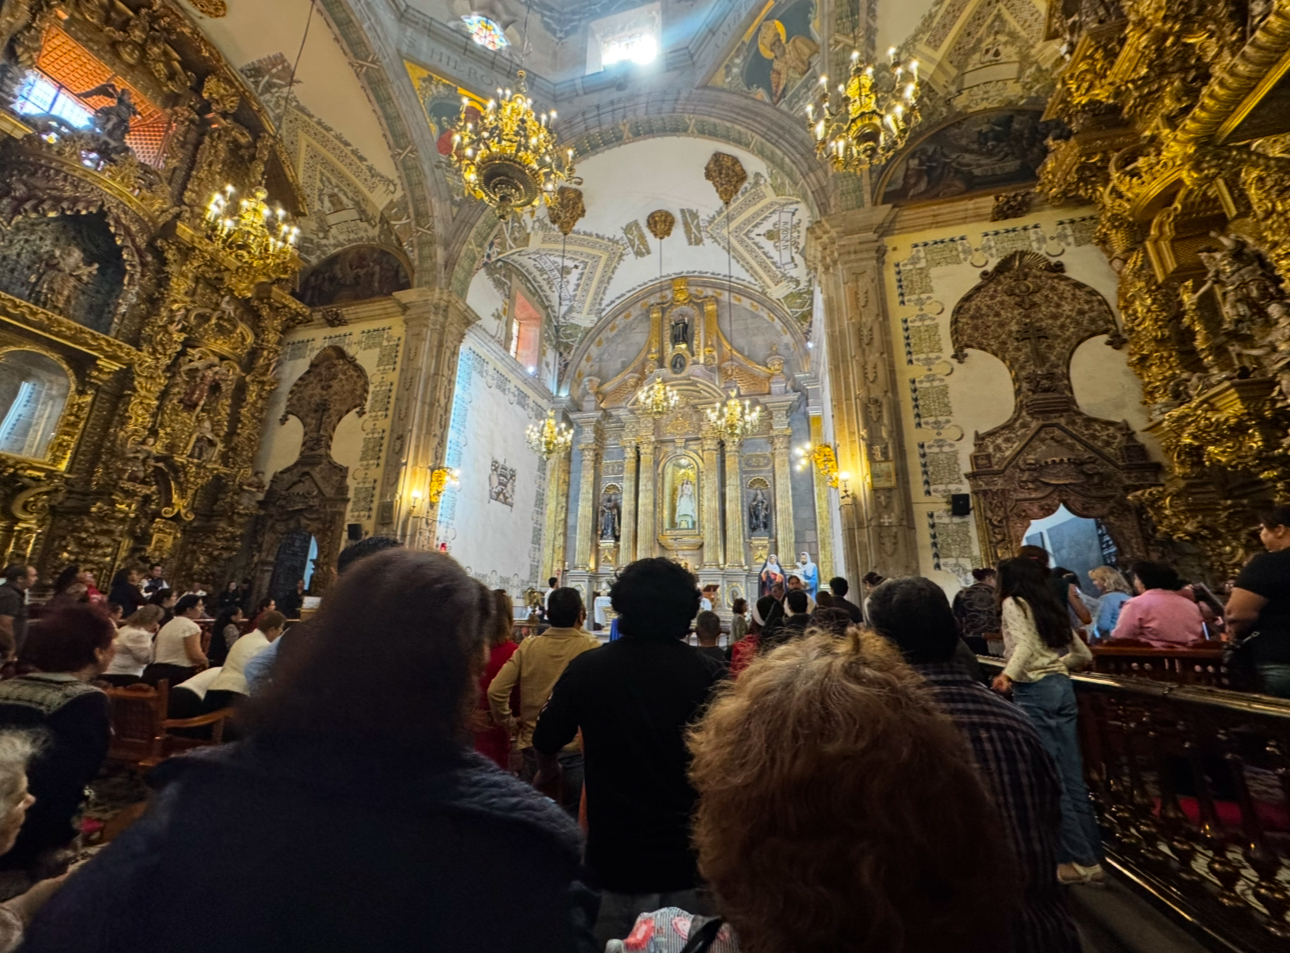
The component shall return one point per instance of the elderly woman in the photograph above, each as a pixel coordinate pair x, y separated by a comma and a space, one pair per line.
362, 735
16, 751
1115, 593
840, 810
68, 651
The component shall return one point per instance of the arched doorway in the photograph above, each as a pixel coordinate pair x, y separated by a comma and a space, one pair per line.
1076, 543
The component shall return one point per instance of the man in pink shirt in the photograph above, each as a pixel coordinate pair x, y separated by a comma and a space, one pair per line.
1161, 615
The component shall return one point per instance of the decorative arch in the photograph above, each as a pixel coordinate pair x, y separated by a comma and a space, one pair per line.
985, 151
724, 117
1030, 315
356, 273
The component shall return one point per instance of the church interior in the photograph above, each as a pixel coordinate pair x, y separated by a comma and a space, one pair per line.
826, 287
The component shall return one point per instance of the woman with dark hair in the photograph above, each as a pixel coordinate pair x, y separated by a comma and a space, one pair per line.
821, 723
359, 736
267, 604
738, 620
125, 592
68, 650
1162, 615
227, 630
1042, 650
977, 612
132, 650
74, 575
165, 600
492, 740
1258, 609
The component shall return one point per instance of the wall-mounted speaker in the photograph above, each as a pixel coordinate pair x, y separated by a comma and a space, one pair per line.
354, 531
961, 504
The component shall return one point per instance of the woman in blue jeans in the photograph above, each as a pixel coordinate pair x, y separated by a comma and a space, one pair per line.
1041, 650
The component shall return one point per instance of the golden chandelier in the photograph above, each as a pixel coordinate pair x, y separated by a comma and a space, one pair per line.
871, 117
657, 399
733, 420
259, 239
509, 156
549, 439
824, 458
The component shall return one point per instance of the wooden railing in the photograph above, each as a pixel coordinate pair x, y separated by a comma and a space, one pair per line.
1200, 664
1192, 786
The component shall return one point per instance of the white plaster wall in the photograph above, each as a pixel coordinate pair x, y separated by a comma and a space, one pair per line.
360, 443
493, 404
927, 274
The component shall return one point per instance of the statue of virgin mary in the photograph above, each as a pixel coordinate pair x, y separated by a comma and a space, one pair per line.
772, 574
687, 506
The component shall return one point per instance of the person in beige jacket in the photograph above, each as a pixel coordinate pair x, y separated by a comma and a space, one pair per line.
535, 667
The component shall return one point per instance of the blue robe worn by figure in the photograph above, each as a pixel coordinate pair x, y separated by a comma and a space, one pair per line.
809, 573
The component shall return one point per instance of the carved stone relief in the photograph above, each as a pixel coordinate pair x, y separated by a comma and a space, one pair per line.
1031, 316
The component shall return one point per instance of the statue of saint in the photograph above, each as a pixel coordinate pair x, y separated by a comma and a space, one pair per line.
202, 374
759, 513
771, 575
59, 279
112, 122
1244, 281
609, 517
687, 505
809, 573
680, 328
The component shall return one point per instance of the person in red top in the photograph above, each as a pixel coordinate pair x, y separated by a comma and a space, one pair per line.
745, 650
492, 740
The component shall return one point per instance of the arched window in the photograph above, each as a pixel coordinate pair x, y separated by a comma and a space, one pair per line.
33, 393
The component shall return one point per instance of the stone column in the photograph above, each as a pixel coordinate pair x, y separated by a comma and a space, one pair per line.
785, 540
711, 503
823, 512
627, 541
646, 525
557, 515
846, 253
590, 435
434, 324
735, 551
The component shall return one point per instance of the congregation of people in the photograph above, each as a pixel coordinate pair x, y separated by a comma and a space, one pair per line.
409, 772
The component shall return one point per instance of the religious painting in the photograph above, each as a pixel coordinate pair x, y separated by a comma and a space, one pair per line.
441, 101
984, 151
355, 274
681, 489
776, 56
501, 484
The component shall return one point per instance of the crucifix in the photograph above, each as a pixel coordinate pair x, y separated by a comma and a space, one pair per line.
1035, 334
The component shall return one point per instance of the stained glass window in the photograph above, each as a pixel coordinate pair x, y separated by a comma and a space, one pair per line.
485, 32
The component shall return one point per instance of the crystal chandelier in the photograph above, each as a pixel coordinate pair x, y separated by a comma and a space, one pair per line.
509, 156
549, 439
733, 420
657, 399
871, 117
259, 239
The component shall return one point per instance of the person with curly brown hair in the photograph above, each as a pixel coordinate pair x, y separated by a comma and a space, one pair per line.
840, 810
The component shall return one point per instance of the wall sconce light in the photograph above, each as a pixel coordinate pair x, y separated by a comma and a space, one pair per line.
844, 478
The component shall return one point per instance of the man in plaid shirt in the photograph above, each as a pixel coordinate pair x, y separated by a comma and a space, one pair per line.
915, 614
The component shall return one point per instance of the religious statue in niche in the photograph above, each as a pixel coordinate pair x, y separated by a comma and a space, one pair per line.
1245, 282
610, 516
204, 443
681, 328
808, 572
253, 489
501, 484
759, 513
682, 488
771, 575
202, 374
59, 279
112, 122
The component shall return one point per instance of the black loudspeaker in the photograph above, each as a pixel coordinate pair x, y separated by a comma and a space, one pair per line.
960, 504
354, 531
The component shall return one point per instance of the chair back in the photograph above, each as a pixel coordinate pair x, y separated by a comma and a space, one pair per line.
137, 713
